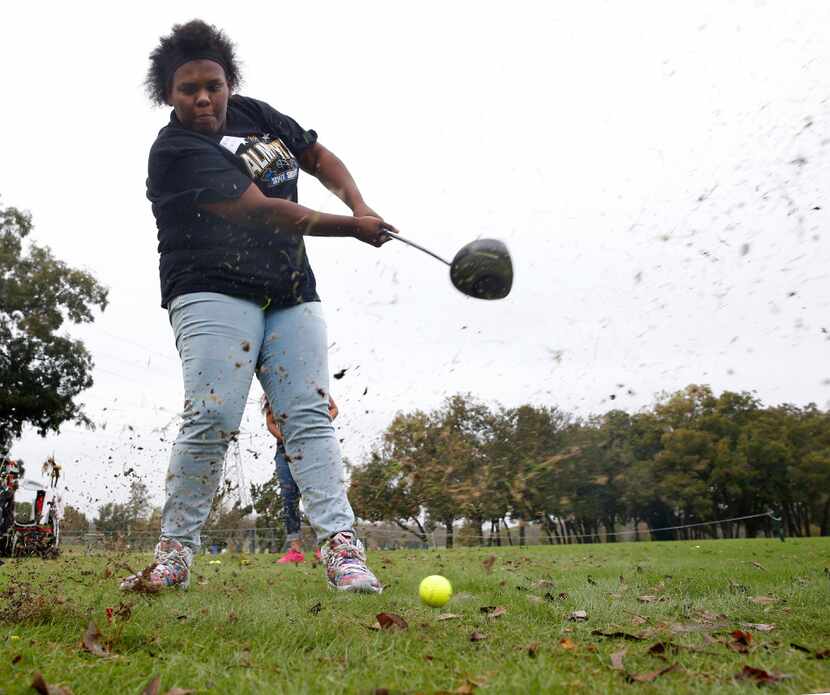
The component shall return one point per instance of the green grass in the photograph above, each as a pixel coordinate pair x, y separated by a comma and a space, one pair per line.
250, 628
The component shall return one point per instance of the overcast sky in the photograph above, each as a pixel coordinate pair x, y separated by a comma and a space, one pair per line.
658, 171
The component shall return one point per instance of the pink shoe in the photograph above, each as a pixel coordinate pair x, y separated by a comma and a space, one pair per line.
291, 556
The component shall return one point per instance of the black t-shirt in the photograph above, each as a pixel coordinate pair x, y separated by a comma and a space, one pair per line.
201, 252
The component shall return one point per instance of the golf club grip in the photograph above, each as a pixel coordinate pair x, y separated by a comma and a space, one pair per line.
417, 246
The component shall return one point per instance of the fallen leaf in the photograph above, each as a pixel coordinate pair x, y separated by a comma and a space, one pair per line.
761, 627
533, 649
477, 636
44, 688
759, 676
651, 675
818, 654
638, 620
617, 660
617, 635
245, 658
152, 688
488, 563
390, 621
493, 611
233, 617
448, 616
567, 643
648, 598
759, 566
466, 688
740, 641
660, 648
91, 641
764, 600
578, 616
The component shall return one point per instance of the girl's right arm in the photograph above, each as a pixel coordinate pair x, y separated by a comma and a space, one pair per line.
253, 208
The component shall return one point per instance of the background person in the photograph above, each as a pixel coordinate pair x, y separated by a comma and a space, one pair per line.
289, 491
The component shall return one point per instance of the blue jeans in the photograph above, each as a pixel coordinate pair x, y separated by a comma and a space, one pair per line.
222, 342
290, 493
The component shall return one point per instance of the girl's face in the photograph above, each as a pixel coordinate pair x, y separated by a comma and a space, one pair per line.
199, 94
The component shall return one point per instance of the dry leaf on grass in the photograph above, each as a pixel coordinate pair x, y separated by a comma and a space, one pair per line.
91, 641
759, 566
660, 648
567, 643
617, 635
488, 563
740, 641
651, 675
477, 636
764, 600
152, 688
390, 621
578, 616
493, 611
648, 598
448, 616
818, 654
759, 676
761, 627
617, 660
532, 649
39, 683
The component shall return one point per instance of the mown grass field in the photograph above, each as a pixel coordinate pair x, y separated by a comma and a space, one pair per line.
248, 625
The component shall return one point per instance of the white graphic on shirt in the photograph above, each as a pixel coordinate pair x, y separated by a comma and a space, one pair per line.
232, 143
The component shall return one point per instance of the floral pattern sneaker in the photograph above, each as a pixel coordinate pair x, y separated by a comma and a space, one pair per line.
345, 562
292, 555
171, 567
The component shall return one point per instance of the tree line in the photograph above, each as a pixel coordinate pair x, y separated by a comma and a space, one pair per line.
692, 457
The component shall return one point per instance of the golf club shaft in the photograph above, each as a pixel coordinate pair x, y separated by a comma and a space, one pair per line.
418, 246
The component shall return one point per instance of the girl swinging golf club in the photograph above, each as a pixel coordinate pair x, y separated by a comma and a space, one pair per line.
240, 293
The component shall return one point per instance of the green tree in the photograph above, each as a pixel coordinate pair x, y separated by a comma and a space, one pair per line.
74, 521
267, 502
41, 372
112, 518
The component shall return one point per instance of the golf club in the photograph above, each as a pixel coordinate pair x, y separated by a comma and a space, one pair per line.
481, 269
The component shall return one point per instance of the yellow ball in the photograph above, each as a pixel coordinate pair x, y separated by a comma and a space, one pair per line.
435, 590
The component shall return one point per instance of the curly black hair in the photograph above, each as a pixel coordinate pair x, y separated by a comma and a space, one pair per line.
194, 38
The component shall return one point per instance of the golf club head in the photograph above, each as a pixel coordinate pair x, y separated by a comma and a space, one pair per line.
483, 269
